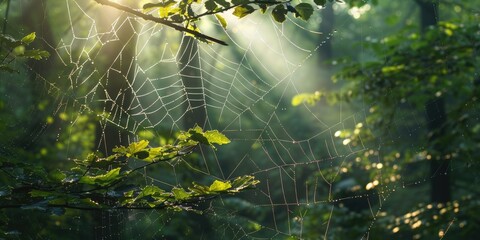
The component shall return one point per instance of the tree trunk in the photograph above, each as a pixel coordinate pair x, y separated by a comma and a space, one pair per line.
36, 22
118, 95
195, 107
436, 119
195, 113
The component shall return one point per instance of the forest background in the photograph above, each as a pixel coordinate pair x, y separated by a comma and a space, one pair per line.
321, 119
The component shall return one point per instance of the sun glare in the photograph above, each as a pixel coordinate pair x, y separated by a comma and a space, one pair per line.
357, 12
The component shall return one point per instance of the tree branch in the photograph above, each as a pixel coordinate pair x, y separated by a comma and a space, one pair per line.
221, 10
127, 174
159, 20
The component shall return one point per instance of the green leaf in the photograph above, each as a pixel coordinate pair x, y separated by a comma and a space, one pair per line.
221, 20
305, 10
394, 69
243, 182
180, 194
102, 180
192, 26
162, 153
152, 191
242, 11
19, 50
163, 12
29, 38
167, 9
91, 157
308, 98
128, 194
215, 137
320, 2
279, 13
102, 163
196, 134
218, 186
136, 147
222, 3
210, 5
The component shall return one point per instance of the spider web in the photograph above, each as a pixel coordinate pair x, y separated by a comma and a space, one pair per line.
130, 75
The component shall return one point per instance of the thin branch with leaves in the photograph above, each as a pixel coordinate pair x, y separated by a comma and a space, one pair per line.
160, 20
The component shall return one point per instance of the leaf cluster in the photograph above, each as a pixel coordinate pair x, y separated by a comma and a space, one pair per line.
307, 98
182, 11
441, 64
408, 71
414, 66
98, 183
12, 49
183, 15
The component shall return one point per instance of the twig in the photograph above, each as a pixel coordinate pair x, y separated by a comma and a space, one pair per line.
112, 184
221, 10
159, 20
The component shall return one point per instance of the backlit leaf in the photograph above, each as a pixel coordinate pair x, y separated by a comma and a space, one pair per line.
29, 38
180, 194
308, 98
196, 134
153, 191
137, 147
243, 182
242, 11
102, 180
215, 137
218, 186
19, 51
221, 20
167, 9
